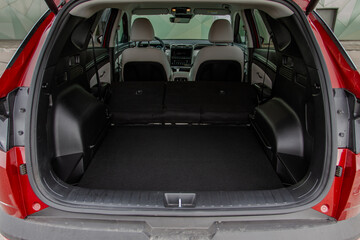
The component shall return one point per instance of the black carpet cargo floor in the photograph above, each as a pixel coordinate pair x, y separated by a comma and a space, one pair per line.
180, 158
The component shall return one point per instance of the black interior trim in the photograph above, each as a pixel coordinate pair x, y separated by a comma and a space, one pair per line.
219, 70
144, 71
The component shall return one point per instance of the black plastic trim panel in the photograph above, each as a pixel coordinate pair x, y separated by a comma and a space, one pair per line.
148, 202
263, 60
348, 119
12, 118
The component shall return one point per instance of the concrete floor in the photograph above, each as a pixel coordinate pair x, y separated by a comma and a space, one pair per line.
353, 49
7, 50
355, 57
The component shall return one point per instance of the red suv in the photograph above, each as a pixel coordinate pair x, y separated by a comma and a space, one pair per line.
181, 120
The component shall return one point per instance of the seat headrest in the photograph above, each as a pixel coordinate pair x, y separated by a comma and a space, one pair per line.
221, 32
142, 30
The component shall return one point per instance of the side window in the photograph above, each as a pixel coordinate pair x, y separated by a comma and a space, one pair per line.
263, 68
122, 35
264, 35
240, 31
100, 29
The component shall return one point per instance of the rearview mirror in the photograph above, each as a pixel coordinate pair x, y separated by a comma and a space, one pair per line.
179, 20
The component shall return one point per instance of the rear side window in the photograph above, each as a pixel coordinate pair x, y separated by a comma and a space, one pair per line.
263, 34
122, 35
240, 31
101, 28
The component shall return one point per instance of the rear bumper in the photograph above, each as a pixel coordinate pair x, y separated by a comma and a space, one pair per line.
68, 226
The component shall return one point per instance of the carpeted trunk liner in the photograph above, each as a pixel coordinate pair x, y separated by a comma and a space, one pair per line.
180, 158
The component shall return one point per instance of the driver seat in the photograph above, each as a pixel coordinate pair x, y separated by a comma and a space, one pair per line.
144, 63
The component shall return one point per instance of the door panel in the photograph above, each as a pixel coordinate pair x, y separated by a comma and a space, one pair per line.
102, 59
258, 75
104, 75
263, 64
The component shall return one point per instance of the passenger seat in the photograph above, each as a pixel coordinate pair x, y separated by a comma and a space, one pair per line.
221, 62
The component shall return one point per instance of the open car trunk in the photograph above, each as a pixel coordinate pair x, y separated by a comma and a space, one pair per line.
212, 144
207, 139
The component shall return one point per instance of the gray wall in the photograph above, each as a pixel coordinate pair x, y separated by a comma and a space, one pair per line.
17, 17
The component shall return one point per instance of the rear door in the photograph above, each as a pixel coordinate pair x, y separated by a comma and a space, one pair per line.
97, 53
262, 58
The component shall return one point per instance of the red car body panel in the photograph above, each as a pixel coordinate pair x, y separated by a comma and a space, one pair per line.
349, 205
16, 195
330, 204
18, 199
341, 74
343, 200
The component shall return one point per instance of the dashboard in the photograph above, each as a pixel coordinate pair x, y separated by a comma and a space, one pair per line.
181, 55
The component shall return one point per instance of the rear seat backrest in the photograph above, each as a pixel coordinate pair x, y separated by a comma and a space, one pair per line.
183, 102
137, 102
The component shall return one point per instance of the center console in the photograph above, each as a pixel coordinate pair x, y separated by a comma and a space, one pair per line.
181, 60
181, 55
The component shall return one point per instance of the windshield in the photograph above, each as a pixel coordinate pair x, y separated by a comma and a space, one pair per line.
197, 28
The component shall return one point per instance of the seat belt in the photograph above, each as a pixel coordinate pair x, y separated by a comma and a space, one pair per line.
118, 58
266, 67
96, 68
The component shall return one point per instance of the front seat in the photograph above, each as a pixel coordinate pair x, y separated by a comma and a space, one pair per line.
222, 61
144, 63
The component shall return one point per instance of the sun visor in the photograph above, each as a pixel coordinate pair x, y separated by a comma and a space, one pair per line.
150, 11
211, 11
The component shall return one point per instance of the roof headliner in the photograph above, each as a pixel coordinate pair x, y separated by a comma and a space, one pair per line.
274, 9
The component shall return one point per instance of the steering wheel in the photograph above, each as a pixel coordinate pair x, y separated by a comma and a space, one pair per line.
163, 46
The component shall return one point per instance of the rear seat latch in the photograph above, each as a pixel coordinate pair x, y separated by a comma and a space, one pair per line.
139, 92
180, 200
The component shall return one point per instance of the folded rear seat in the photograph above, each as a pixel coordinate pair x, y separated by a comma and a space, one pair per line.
183, 102
228, 102
209, 102
137, 102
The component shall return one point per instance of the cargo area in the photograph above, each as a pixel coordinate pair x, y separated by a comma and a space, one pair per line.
109, 136
153, 138
180, 158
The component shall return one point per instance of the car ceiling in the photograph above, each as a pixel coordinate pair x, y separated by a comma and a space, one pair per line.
87, 9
